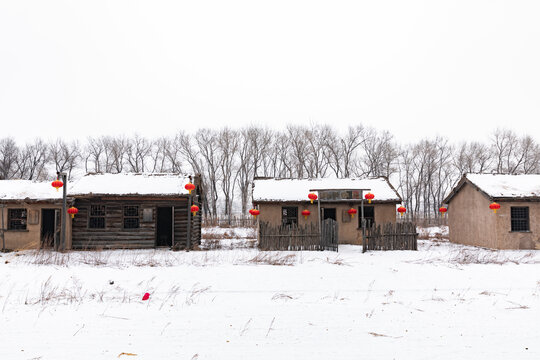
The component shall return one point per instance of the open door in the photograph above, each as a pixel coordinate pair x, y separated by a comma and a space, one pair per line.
329, 213
48, 227
164, 227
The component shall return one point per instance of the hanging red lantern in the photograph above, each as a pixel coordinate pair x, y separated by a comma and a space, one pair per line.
443, 210
352, 211
306, 213
254, 212
369, 196
194, 209
57, 184
401, 210
73, 211
494, 206
312, 197
189, 187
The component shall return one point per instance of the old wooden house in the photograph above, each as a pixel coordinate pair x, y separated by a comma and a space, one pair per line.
282, 201
515, 225
135, 211
29, 214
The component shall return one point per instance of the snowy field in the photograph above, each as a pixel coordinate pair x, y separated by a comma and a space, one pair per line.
444, 301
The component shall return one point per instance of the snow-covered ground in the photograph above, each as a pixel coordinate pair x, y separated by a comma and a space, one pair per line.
444, 301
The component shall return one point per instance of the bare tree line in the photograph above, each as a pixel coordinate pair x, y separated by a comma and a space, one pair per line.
228, 159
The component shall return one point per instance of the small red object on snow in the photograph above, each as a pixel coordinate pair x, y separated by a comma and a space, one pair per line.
146, 296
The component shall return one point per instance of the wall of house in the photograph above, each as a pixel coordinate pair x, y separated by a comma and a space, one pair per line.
349, 232
115, 236
506, 239
31, 237
470, 221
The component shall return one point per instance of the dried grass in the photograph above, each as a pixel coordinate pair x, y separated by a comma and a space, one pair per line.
276, 259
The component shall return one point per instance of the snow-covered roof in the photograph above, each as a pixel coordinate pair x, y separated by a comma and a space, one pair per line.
273, 190
27, 189
130, 184
507, 186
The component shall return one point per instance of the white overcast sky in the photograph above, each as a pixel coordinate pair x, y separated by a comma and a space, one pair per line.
417, 68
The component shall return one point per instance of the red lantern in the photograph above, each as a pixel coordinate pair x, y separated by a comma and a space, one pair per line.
73, 211
306, 213
494, 206
254, 212
369, 196
443, 210
194, 209
57, 184
401, 210
312, 197
189, 187
352, 211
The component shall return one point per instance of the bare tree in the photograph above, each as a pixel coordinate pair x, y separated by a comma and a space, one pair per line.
64, 155
137, 151
32, 160
8, 158
228, 144
207, 143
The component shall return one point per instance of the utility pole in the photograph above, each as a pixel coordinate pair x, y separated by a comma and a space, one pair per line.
62, 244
2, 229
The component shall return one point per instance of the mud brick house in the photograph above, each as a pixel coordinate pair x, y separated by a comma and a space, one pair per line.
515, 225
281, 202
29, 214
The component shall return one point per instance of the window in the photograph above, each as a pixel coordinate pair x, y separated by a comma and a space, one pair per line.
289, 215
519, 218
96, 219
16, 219
369, 215
131, 217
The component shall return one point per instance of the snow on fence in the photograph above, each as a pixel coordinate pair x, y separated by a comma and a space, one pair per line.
390, 236
296, 238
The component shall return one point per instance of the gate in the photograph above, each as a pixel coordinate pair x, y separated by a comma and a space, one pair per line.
297, 238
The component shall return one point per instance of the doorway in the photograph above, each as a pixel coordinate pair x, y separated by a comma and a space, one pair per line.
164, 224
48, 226
329, 213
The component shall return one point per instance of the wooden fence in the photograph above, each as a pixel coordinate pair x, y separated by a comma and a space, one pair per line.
297, 238
398, 236
235, 221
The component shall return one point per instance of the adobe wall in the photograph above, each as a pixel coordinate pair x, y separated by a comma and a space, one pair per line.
506, 239
470, 220
31, 237
349, 232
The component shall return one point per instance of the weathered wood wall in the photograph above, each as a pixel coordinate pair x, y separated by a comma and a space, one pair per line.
115, 236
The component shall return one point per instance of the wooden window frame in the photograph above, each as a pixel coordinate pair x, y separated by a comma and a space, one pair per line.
90, 217
521, 220
285, 218
23, 218
129, 217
